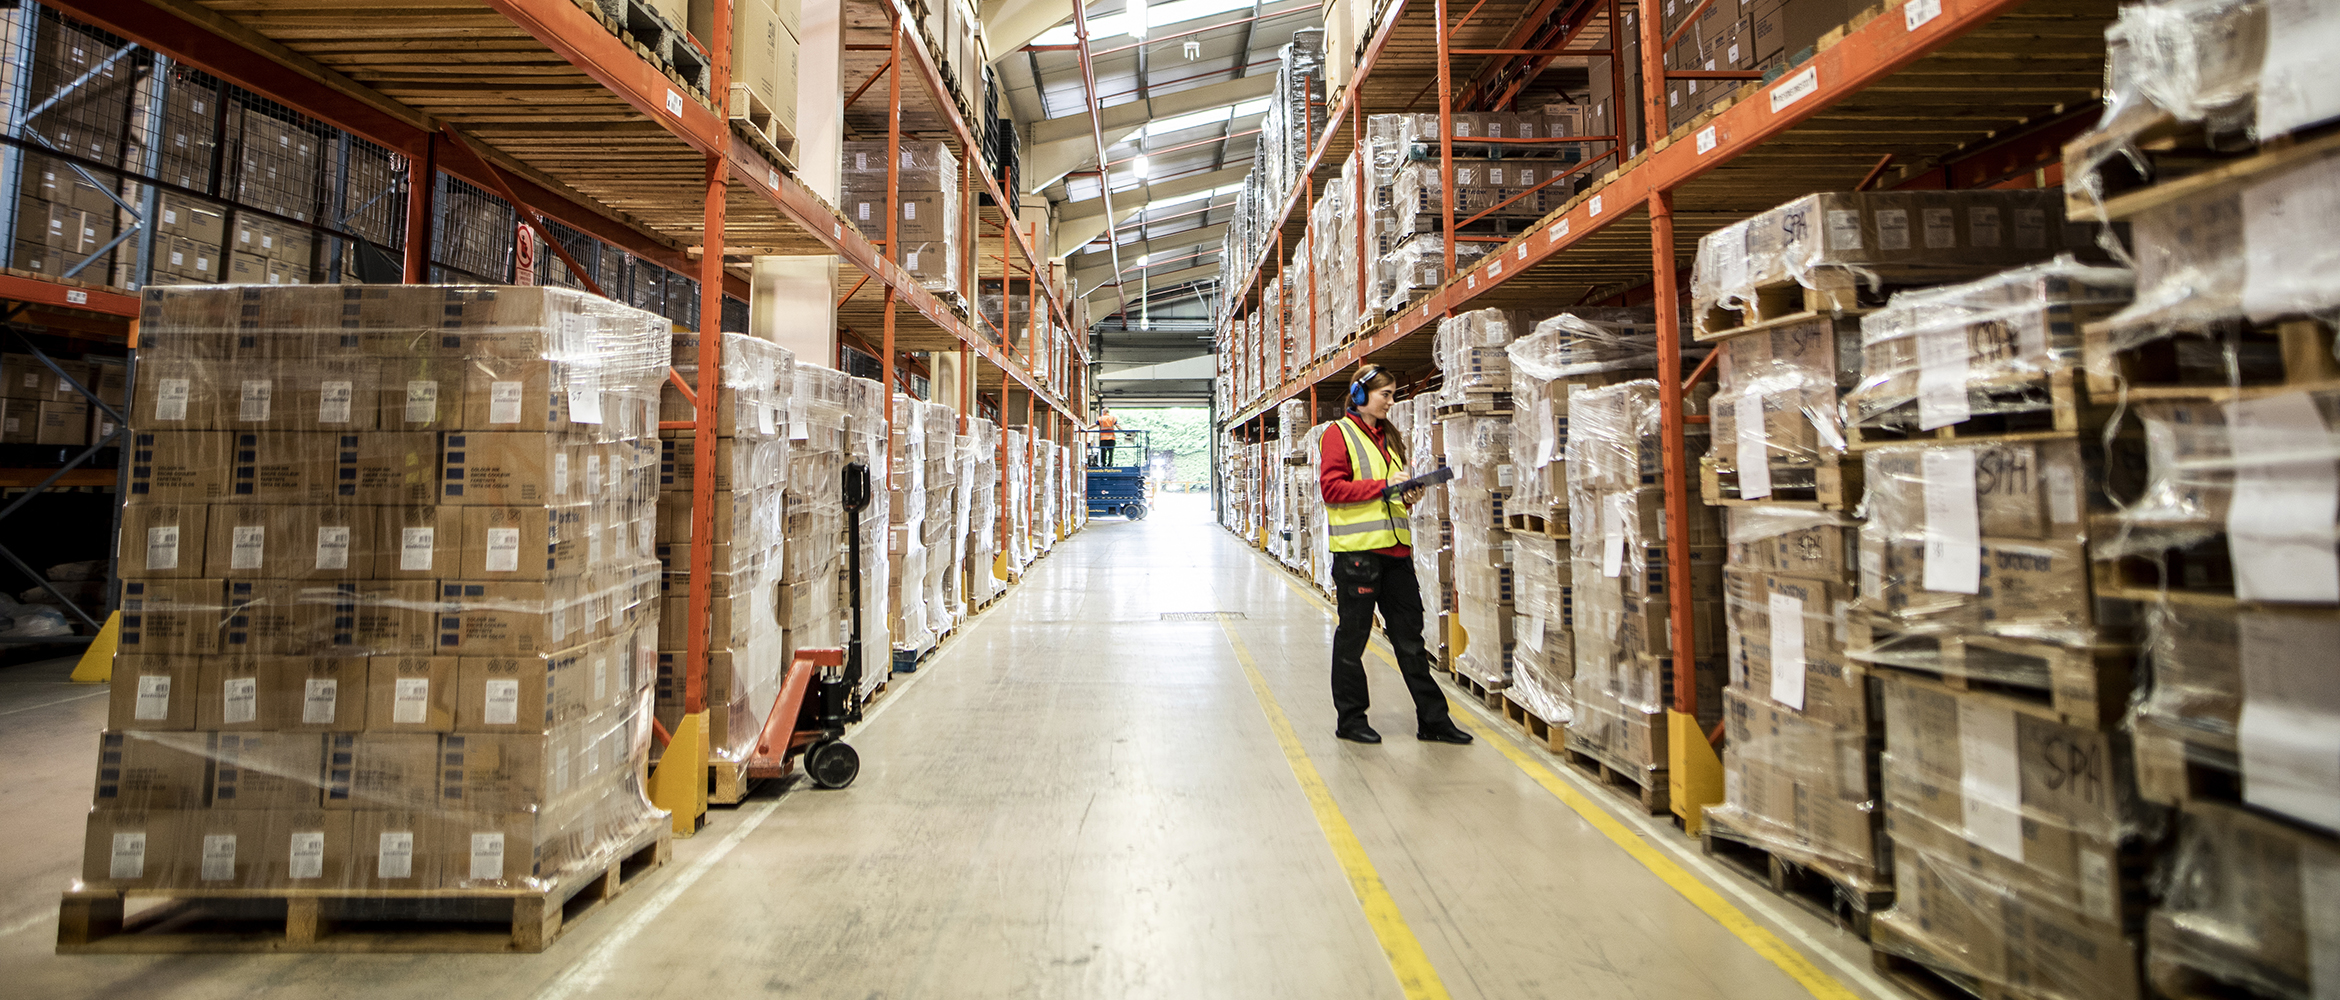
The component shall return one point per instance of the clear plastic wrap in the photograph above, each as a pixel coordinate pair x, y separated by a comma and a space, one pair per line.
1470, 350
1543, 658
373, 636
1837, 242
2012, 835
926, 188
1618, 553
1993, 348
1775, 406
2183, 60
2240, 905
1580, 349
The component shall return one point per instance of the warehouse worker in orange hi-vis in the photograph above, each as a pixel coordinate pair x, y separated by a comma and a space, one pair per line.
1106, 423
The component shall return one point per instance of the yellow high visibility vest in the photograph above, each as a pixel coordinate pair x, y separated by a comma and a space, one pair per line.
1372, 524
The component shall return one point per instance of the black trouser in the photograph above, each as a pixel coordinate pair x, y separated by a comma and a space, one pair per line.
1105, 452
1364, 581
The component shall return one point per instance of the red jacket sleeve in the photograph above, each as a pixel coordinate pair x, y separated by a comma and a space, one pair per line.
1336, 478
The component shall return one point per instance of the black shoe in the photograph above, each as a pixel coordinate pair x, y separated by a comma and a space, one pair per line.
1444, 733
1359, 733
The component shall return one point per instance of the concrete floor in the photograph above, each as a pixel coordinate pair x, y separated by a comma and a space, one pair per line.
1075, 799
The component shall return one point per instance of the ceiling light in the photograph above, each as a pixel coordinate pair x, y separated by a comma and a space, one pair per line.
1137, 19
1140, 165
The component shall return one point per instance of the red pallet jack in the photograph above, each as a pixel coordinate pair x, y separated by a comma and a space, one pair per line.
815, 703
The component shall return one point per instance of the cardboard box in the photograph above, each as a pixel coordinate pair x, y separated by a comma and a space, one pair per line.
392, 468
1975, 925
515, 394
1807, 788
308, 849
61, 423
417, 542
507, 694
499, 773
787, 59
499, 469
388, 771
165, 617
489, 850
411, 694
394, 849
498, 618
1835, 689
267, 771
290, 542
23, 376
134, 849
419, 392
381, 616
226, 848
153, 770
185, 218
525, 543
153, 693
163, 541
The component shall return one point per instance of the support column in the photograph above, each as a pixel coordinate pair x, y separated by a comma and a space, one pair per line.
421, 208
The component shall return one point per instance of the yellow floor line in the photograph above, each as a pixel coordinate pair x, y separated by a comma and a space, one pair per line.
1414, 973
1754, 935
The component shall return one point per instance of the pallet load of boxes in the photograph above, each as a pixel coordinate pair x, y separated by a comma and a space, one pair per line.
2222, 561
390, 604
926, 187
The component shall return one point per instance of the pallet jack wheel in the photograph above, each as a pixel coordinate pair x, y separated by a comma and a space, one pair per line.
1135, 511
832, 764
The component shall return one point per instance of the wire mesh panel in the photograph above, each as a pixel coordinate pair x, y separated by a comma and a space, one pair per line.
645, 286
735, 315
585, 249
682, 298
475, 232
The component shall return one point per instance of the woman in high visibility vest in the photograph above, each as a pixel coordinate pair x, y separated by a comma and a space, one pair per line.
1372, 562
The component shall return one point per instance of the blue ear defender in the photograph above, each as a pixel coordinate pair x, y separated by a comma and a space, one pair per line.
1357, 388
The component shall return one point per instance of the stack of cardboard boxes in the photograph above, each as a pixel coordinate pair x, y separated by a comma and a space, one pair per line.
928, 221
944, 533
746, 647
981, 453
38, 406
388, 598
83, 93
766, 43
63, 218
906, 539
1623, 586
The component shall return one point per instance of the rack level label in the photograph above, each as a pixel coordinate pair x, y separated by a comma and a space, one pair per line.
1795, 88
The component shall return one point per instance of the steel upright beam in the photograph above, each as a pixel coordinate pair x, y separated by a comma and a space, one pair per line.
421, 208
1446, 132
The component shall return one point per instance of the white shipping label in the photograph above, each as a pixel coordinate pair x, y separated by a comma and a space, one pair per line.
1754, 454
411, 703
2063, 495
2286, 488
617, 475
584, 405
503, 550
219, 857
332, 546
1941, 228
2030, 229
560, 476
1942, 375
394, 855
764, 421
1982, 224
2289, 732
258, 392
1795, 88
1953, 523
241, 699
250, 542
600, 678
333, 399
1844, 229
1787, 651
2297, 86
592, 475
162, 547
320, 697
1990, 778
1893, 229
1533, 636
2099, 897
129, 857
503, 702
307, 858
503, 402
415, 546
422, 401
154, 698
1918, 13
1613, 516
487, 855
2319, 904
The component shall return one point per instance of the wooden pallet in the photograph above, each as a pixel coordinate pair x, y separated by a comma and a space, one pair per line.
1488, 695
2180, 162
96, 921
1830, 484
1646, 786
753, 120
2060, 418
2289, 356
1545, 525
1831, 891
2086, 686
665, 43
1476, 403
728, 783
1553, 735
1832, 293
1933, 978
